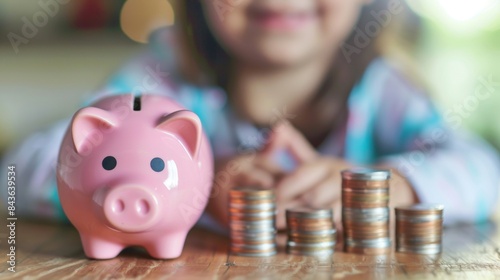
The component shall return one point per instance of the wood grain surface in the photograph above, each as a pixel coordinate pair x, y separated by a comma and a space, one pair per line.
49, 251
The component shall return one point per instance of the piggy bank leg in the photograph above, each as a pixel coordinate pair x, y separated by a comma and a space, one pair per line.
96, 248
167, 247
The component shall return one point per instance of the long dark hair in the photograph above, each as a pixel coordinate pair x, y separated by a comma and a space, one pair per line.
205, 61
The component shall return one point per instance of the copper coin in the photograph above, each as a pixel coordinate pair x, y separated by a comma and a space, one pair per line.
366, 234
239, 213
421, 239
294, 220
415, 243
420, 209
252, 229
251, 224
311, 245
370, 231
313, 237
248, 206
309, 213
350, 223
312, 233
365, 198
362, 191
371, 211
421, 224
310, 227
419, 233
366, 226
365, 186
312, 241
416, 230
365, 204
364, 220
252, 235
377, 242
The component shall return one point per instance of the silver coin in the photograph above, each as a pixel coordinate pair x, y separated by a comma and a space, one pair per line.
369, 243
367, 174
253, 224
378, 210
420, 250
360, 191
314, 245
267, 222
313, 233
256, 206
309, 213
262, 214
365, 219
420, 207
262, 237
418, 219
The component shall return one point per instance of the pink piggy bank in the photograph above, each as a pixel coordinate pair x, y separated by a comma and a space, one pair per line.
134, 171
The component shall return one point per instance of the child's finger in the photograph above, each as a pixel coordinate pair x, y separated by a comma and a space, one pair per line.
286, 137
269, 165
255, 177
323, 194
301, 180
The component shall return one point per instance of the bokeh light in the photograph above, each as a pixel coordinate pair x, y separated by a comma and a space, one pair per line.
463, 10
460, 16
139, 18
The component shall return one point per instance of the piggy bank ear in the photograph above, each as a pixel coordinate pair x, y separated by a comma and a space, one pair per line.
88, 126
186, 126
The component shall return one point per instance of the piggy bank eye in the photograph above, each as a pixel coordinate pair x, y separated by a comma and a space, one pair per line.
157, 164
109, 163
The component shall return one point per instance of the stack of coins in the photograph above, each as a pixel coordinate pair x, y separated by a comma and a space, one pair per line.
310, 231
365, 211
252, 222
419, 229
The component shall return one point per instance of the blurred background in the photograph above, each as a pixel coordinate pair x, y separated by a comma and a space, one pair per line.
54, 53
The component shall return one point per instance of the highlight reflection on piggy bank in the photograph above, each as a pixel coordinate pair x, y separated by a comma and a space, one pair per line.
134, 171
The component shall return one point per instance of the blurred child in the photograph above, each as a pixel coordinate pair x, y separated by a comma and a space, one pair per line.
290, 93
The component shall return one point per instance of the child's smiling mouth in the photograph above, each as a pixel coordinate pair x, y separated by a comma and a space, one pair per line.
282, 19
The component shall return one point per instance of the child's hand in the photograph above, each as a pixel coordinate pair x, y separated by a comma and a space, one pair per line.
315, 184
316, 180
252, 169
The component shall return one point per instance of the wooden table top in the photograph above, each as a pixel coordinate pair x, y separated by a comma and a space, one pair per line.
49, 251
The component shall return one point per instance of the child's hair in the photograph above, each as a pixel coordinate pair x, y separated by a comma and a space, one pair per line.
206, 62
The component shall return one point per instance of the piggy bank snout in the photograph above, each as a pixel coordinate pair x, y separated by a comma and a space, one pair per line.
131, 208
